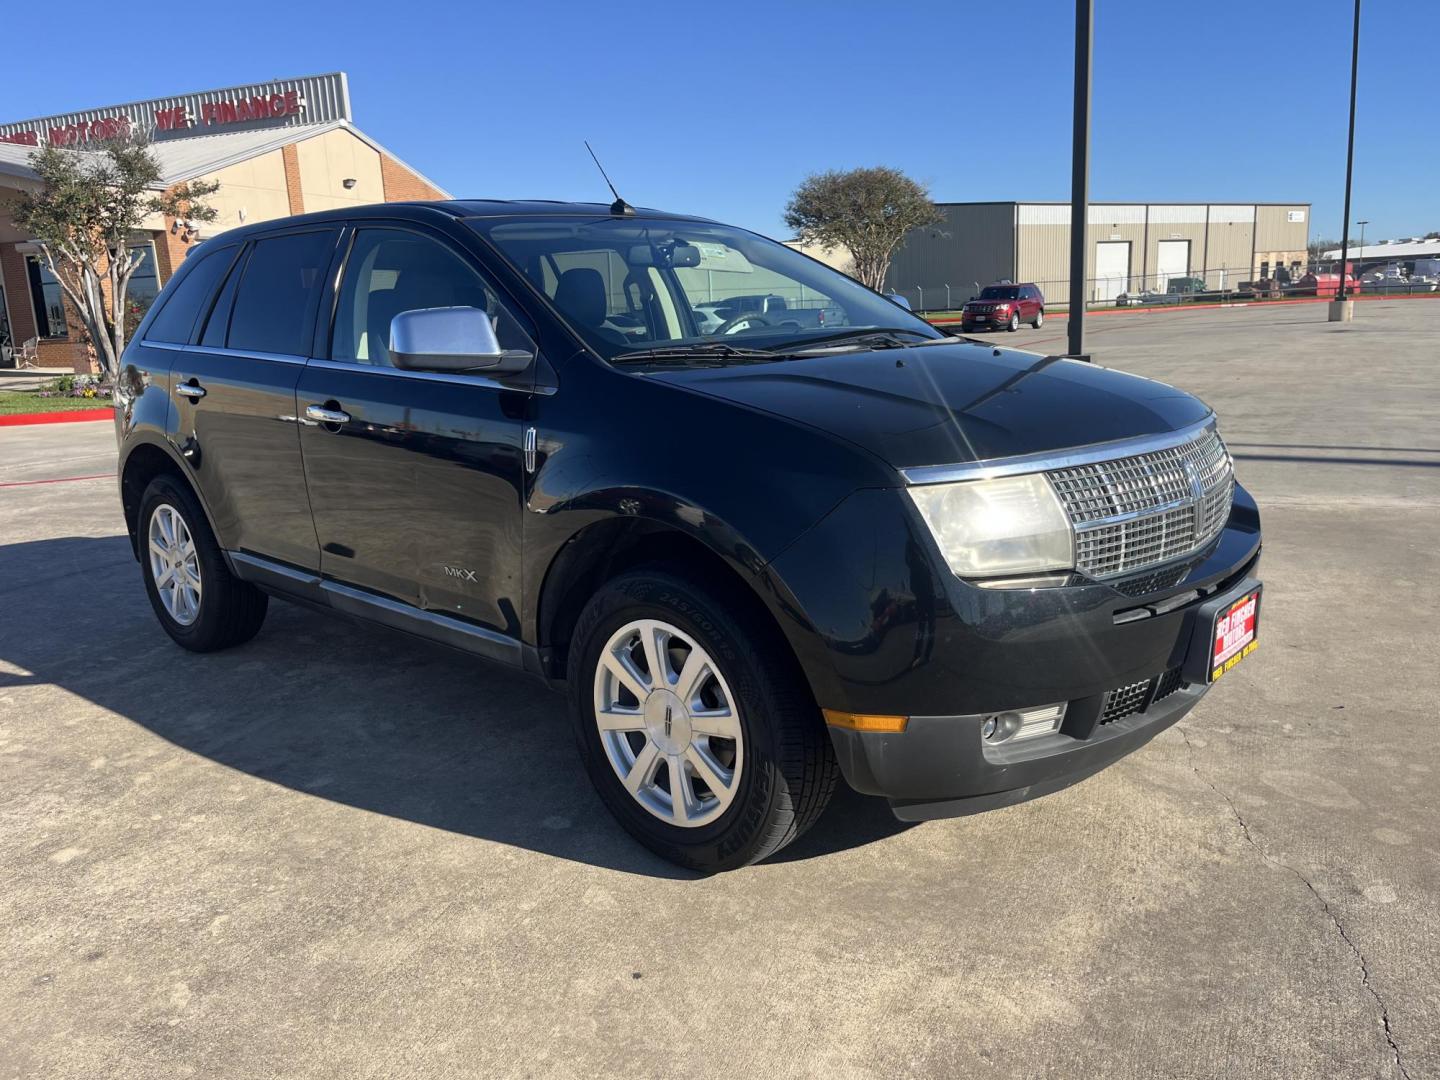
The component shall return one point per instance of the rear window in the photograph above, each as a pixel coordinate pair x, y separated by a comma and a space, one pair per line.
272, 304
182, 303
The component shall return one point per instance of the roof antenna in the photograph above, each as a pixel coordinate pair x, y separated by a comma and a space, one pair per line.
619, 207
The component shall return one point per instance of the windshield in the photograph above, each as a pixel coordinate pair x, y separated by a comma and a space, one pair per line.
635, 285
1000, 292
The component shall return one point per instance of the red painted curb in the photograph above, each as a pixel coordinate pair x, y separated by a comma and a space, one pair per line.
69, 416
57, 480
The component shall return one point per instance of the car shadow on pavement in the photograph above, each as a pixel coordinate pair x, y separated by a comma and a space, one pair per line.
353, 714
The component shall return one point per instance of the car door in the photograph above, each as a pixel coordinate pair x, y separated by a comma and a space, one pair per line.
233, 417
416, 493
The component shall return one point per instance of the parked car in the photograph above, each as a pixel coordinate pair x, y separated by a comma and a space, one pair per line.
1178, 290
757, 559
767, 310
1004, 305
1181, 290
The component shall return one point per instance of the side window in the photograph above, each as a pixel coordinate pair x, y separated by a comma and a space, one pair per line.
282, 278
182, 303
390, 271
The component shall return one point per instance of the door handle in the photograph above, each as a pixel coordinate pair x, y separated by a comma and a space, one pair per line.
322, 415
192, 390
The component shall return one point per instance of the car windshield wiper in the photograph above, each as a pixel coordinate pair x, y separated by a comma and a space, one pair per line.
880, 337
704, 350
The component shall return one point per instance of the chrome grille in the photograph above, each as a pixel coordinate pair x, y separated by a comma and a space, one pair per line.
1136, 512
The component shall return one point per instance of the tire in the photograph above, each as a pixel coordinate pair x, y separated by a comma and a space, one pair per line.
225, 611
1014, 323
1039, 319
781, 768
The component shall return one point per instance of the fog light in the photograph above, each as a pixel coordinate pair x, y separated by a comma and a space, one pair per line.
1023, 723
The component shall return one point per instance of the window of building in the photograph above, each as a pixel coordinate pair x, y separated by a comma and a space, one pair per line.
275, 297
390, 271
182, 305
48, 299
144, 285
1264, 270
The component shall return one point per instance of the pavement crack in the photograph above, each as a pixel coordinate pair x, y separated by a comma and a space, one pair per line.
1270, 860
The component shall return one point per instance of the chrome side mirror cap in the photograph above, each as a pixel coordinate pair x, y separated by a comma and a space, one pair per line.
451, 339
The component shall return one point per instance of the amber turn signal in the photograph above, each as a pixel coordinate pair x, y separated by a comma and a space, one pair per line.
863, 722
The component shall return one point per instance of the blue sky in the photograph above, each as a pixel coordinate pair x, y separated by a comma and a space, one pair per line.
720, 109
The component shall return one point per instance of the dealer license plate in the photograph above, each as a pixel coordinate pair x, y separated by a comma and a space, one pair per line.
1234, 635
981, 318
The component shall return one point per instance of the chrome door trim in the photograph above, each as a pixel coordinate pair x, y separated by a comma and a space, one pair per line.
1047, 460
476, 379
431, 625
300, 584
243, 354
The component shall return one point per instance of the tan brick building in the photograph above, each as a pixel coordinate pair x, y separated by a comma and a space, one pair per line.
276, 149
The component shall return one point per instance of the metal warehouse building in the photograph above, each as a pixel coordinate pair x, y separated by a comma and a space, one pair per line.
1133, 246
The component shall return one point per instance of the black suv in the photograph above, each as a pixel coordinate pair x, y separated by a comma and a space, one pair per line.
760, 553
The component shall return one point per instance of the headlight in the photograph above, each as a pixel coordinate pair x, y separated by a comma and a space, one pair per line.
1009, 525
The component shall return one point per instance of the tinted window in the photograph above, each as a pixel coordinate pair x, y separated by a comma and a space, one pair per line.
184, 301
999, 292
218, 320
273, 301
390, 271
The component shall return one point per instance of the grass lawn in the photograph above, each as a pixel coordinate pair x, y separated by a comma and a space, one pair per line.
27, 401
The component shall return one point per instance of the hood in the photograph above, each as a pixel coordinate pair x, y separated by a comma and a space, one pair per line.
952, 403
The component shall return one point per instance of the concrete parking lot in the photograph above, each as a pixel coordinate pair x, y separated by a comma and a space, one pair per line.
337, 853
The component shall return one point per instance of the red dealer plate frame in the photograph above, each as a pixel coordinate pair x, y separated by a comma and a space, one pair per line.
1234, 634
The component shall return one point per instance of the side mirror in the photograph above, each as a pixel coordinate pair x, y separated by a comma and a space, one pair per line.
896, 298
450, 339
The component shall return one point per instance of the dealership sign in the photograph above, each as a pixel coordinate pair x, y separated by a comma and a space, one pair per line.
284, 103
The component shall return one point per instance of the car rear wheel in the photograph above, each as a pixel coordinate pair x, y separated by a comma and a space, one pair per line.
1014, 323
696, 729
1039, 319
200, 604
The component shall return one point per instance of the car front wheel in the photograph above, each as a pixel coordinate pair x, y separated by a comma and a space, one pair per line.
696, 728
1014, 323
200, 604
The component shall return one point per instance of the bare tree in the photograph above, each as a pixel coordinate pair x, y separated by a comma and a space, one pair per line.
1317, 248
84, 217
866, 211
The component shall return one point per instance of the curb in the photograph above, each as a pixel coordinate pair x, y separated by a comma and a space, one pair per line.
69, 416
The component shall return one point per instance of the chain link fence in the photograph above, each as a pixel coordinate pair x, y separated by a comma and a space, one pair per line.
1221, 284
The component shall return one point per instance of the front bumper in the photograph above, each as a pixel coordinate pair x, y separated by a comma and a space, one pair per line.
888, 635
941, 767
990, 321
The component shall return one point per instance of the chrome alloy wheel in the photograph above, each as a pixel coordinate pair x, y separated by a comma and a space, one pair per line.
669, 723
174, 564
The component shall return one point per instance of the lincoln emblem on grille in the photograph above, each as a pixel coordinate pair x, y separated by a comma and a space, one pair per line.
1197, 483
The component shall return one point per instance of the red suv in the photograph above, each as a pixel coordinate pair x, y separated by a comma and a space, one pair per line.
1004, 305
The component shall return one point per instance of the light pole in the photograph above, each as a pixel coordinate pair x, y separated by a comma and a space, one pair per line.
1362, 225
1080, 178
1340, 311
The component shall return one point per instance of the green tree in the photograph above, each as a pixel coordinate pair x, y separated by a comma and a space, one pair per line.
84, 217
865, 211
